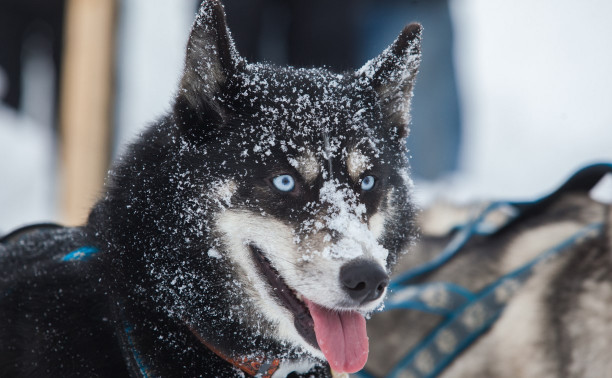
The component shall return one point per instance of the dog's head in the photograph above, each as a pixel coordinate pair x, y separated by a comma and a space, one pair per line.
294, 178
312, 183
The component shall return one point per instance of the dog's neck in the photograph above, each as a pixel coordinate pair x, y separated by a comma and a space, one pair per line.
254, 365
144, 363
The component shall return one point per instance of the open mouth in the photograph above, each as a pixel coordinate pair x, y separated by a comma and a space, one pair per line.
340, 335
303, 321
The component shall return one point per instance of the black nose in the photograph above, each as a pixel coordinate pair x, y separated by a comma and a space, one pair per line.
363, 280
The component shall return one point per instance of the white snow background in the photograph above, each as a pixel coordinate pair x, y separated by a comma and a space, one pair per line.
535, 90
535, 85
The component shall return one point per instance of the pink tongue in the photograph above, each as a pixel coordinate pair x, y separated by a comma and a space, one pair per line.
341, 336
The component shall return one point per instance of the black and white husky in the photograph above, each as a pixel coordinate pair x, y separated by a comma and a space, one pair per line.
249, 231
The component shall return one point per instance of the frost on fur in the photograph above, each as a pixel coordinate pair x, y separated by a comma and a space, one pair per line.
345, 217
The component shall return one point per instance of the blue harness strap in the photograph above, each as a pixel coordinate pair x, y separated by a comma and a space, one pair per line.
81, 254
133, 354
478, 226
467, 315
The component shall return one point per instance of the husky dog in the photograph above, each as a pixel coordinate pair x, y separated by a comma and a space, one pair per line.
558, 323
248, 231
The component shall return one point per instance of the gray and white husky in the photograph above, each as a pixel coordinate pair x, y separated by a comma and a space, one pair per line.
249, 231
550, 272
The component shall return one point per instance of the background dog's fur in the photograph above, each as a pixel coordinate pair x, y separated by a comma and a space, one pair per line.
560, 322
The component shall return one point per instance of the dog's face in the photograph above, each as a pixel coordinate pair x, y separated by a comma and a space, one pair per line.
295, 179
321, 179
313, 188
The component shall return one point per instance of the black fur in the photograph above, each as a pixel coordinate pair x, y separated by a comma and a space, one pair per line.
147, 299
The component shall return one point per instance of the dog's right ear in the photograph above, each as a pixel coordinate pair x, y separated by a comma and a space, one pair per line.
211, 63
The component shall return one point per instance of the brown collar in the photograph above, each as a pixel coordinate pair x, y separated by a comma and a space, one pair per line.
254, 366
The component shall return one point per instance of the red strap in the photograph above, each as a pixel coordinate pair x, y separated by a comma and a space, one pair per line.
251, 366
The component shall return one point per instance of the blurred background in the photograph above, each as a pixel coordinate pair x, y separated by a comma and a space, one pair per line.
511, 98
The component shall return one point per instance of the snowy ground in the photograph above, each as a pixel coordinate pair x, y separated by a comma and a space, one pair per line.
534, 82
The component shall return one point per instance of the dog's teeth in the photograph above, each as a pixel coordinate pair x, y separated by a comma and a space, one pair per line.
299, 296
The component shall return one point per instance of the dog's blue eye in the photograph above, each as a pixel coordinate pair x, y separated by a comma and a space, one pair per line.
284, 183
367, 183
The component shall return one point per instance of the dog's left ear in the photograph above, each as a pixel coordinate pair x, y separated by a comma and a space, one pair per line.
210, 64
393, 72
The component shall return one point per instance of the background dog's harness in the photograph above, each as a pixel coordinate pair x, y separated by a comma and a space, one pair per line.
466, 314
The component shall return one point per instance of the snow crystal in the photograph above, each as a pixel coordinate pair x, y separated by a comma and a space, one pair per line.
224, 190
294, 163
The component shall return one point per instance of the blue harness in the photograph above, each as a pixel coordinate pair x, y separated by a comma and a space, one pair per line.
466, 314
133, 355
